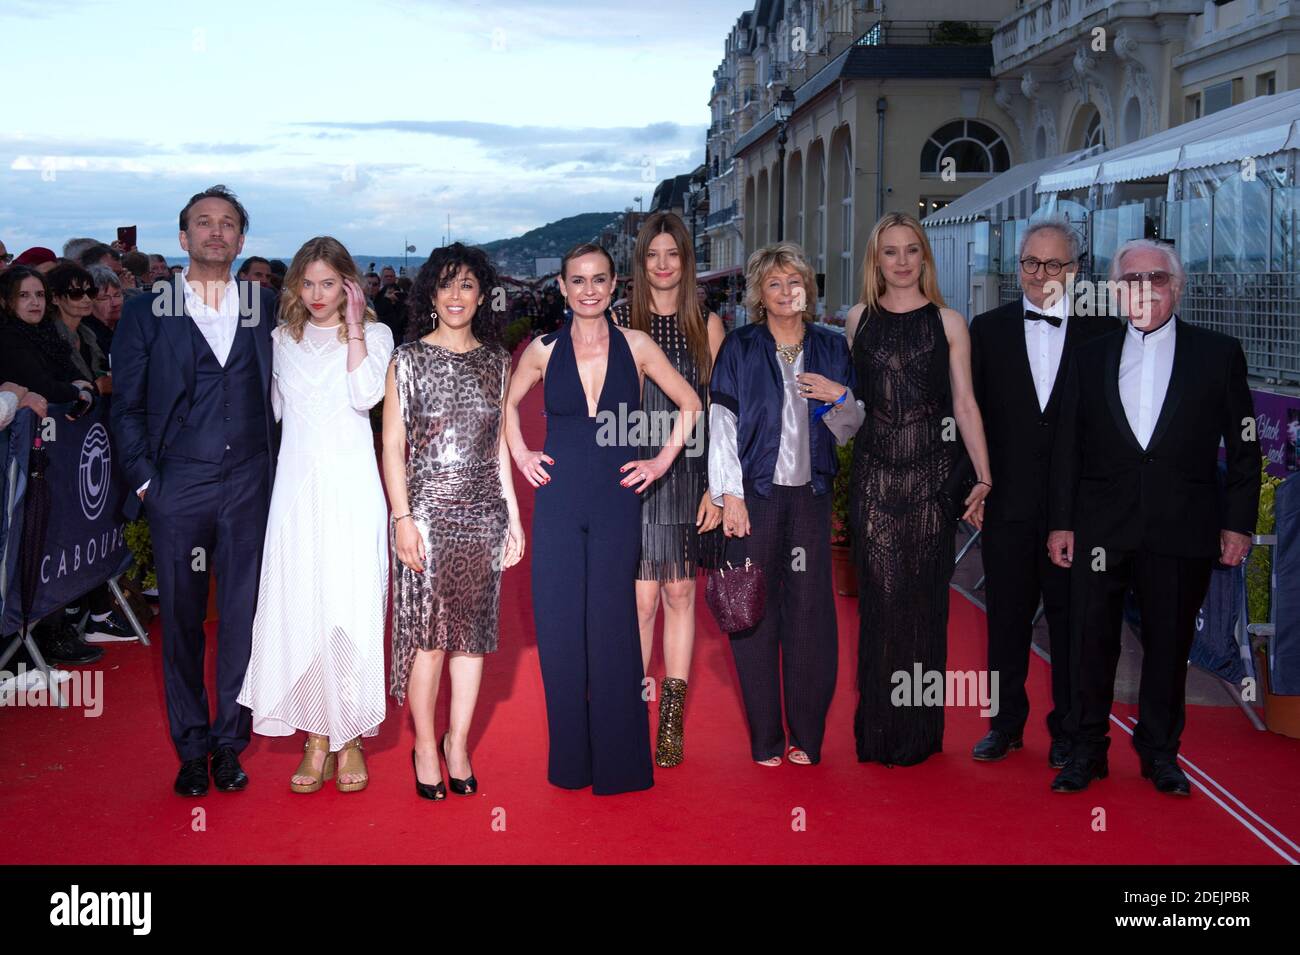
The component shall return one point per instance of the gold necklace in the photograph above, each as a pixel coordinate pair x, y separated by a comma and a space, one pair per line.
790, 353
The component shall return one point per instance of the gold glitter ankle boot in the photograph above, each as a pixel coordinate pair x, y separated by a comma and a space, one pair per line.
672, 704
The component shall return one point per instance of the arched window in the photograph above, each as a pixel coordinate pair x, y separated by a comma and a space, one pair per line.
1095, 136
819, 219
796, 201
976, 148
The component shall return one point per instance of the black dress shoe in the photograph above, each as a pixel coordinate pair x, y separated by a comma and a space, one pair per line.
192, 780
1167, 777
1059, 754
226, 771
1079, 772
60, 643
995, 745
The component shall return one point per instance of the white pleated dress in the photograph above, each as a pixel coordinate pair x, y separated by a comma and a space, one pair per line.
317, 660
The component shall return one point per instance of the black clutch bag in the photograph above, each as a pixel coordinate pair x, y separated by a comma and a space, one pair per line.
961, 481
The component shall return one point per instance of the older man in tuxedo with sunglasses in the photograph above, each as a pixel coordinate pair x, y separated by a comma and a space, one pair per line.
1019, 354
1136, 503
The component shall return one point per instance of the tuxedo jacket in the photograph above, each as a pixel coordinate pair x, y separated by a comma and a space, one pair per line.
1019, 434
154, 378
1166, 498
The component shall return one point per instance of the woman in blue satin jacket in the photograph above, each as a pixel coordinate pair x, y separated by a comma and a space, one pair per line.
781, 395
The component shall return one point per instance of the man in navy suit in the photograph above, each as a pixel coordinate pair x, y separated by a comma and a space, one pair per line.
193, 426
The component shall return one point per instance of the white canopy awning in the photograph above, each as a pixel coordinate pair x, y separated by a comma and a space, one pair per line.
1258, 127
1000, 190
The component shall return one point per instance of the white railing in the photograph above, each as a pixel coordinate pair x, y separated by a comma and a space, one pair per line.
1216, 22
1042, 21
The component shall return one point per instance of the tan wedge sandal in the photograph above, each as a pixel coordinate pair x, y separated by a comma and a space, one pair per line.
351, 762
314, 744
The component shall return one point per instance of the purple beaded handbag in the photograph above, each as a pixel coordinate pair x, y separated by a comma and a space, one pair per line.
737, 595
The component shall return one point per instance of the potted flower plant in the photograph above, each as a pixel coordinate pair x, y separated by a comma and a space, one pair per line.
1281, 712
845, 574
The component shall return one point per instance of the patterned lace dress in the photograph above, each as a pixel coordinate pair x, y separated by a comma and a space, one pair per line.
451, 404
671, 547
902, 539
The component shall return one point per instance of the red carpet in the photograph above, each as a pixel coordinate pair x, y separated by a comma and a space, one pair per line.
98, 790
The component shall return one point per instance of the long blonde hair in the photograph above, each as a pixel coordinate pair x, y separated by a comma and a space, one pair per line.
323, 248
691, 319
873, 280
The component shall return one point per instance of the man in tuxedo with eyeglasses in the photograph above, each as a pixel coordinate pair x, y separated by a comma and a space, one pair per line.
1136, 503
1019, 354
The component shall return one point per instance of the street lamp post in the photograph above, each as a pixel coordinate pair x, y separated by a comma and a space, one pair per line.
783, 109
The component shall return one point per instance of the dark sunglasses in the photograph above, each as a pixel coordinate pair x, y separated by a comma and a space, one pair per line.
1158, 279
77, 293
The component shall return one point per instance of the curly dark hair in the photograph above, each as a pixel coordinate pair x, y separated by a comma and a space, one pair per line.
442, 266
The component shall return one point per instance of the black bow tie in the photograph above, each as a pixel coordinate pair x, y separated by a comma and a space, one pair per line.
1040, 317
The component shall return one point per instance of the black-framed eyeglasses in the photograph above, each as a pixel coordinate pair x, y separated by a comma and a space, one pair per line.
1031, 265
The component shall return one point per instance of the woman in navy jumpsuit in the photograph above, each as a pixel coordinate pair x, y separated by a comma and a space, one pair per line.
587, 531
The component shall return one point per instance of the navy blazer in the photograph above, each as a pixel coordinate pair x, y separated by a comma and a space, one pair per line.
153, 377
747, 380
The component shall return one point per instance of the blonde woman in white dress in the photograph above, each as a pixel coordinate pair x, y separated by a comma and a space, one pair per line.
318, 636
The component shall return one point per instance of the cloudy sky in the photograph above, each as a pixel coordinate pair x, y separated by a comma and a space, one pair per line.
366, 121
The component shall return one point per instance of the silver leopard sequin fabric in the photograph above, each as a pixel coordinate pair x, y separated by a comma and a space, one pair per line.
451, 404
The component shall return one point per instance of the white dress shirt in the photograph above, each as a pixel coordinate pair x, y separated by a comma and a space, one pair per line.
218, 326
1145, 365
1045, 344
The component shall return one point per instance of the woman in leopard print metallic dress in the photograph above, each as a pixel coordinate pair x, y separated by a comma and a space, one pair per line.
455, 520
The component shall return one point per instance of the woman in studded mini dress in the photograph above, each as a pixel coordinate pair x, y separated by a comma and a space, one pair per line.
678, 520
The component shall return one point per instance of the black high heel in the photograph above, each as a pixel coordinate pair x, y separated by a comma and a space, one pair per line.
424, 790
461, 787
